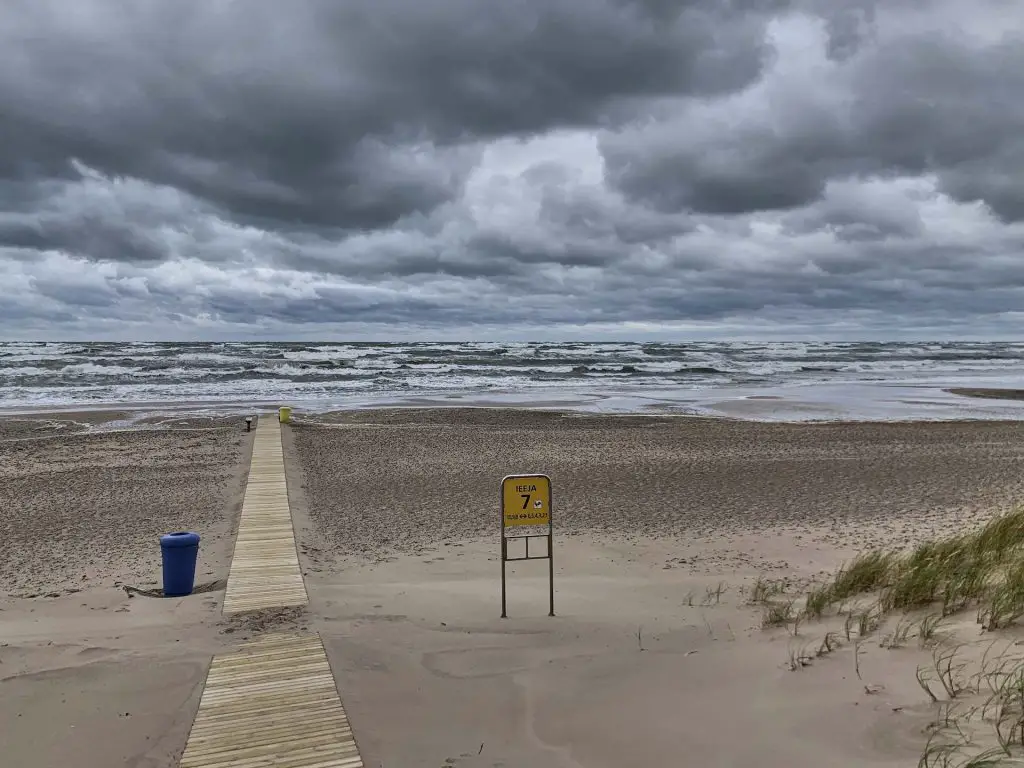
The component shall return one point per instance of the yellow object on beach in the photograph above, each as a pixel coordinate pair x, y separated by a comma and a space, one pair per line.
285, 414
526, 500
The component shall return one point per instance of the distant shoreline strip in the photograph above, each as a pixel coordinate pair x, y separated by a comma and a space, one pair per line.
988, 394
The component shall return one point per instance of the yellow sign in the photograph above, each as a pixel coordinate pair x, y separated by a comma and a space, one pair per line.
526, 500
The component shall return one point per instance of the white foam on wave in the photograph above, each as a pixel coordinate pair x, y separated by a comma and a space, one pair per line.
669, 376
327, 353
87, 369
207, 357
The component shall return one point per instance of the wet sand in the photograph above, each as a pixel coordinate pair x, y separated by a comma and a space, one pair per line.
989, 394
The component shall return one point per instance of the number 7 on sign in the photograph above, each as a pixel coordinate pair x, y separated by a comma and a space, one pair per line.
526, 501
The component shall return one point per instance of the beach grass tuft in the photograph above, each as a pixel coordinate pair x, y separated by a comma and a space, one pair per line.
927, 629
819, 598
713, 595
829, 643
899, 635
777, 613
1004, 603
865, 573
764, 590
983, 569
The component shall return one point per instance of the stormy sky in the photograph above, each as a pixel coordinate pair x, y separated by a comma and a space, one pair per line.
462, 169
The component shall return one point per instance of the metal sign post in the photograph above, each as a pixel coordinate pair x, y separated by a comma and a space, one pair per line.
526, 514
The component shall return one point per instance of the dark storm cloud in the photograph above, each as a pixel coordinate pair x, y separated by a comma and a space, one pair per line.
454, 165
84, 296
100, 219
333, 113
850, 25
92, 237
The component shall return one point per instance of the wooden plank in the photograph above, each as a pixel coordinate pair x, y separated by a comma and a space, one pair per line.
276, 709
273, 703
265, 570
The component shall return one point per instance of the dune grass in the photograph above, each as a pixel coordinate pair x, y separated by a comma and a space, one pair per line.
818, 600
987, 731
764, 590
865, 573
1004, 602
777, 614
982, 570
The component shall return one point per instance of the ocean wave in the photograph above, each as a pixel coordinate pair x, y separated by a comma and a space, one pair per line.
586, 369
698, 370
90, 372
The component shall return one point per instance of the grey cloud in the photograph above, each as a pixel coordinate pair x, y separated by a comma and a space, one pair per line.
75, 294
23, 236
92, 237
338, 305
305, 116
914, 102
850, 25
450, 166
565, 270
525, 252
716, 180
100, 219
859, 213
995, 180
585, 213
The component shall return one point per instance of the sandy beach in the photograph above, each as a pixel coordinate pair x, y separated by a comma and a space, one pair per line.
655, 657
662, 527
89, 675
382, 481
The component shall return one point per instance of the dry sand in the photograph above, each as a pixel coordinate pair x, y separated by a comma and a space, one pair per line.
389, 481
90, 507
397, 521
90, 677
645, 663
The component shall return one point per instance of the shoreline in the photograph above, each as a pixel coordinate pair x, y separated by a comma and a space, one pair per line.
817, 403
765, 405
991, 393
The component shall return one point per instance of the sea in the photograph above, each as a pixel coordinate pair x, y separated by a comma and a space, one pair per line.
761, 381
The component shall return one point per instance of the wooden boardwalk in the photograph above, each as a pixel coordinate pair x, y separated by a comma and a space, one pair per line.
273, 702
265, 567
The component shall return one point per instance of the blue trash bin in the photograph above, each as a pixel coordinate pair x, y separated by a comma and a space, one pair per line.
179, 551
